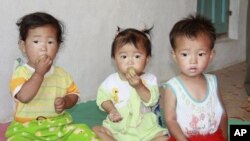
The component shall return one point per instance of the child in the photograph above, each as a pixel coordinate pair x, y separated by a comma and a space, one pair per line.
193, 107
128, 94
42, 91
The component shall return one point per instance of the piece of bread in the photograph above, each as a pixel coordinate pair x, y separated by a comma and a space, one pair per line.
131, 71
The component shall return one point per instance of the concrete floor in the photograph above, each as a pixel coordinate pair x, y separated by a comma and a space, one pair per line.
231, 83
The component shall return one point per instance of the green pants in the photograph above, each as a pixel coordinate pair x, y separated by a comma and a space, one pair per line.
51, 129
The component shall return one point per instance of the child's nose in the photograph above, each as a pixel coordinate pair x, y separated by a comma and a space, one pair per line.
193, 60
130, 61
44, 47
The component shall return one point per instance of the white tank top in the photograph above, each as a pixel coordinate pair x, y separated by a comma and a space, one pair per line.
197, 117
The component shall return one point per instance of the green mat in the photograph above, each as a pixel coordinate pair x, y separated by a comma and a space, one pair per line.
89, 113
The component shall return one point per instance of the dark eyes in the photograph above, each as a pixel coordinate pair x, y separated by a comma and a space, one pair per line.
123, 57
137, 56
202, 54
49, 42
184, 54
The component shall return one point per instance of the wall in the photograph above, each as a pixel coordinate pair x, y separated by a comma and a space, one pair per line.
90, 27
248, 36
231, 50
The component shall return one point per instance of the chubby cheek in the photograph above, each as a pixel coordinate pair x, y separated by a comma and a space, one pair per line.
183, 66
52, 53
120, 66
203, 66
182, 63
32, 54
140, 67
52, 56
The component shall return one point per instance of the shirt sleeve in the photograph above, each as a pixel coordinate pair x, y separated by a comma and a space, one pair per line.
102, 95
19, 77
151, 83
72, 87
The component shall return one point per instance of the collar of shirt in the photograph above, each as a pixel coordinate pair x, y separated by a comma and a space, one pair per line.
33, 70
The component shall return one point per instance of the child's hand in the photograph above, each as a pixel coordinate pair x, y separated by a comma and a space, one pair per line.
114, 116
133, 79
43, 64
59, 104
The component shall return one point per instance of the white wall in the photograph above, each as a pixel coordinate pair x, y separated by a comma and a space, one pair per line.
232, 50
91, 26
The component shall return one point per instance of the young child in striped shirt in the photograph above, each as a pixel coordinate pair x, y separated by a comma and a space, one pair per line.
41, 90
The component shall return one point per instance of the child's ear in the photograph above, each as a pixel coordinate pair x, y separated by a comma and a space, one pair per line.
212, 54
148, 58
22, 46
173, 55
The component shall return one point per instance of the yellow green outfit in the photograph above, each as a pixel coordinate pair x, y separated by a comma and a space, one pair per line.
138, 122
37, 119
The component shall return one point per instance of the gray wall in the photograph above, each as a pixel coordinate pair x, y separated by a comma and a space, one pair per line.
248, 36
91, 26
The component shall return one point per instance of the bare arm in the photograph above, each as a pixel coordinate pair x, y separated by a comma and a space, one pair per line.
170, 116
136, 82
143, 92
66, 102
108, 106
224, 118
31, 87
113, 114
70, 100
224, 124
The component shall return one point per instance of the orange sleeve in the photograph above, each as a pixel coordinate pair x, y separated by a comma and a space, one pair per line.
16, 82
72, 89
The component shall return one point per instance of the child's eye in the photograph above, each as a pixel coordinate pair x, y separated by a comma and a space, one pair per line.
35, 41
123, 57
202, 54
50, 42
184, 54
137, 56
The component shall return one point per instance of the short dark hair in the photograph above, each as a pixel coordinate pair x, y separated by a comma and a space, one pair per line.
133, 36
38, 19
191, 27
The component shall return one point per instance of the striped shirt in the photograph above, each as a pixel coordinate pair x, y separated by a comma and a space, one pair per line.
56, 83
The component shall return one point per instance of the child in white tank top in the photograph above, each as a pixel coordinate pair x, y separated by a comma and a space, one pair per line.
192, 102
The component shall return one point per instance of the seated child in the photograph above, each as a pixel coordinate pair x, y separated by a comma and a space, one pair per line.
41, 90
193, 107
128, 94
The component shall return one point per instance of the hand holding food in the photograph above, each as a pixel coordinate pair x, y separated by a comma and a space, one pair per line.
43, 64
131, 71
